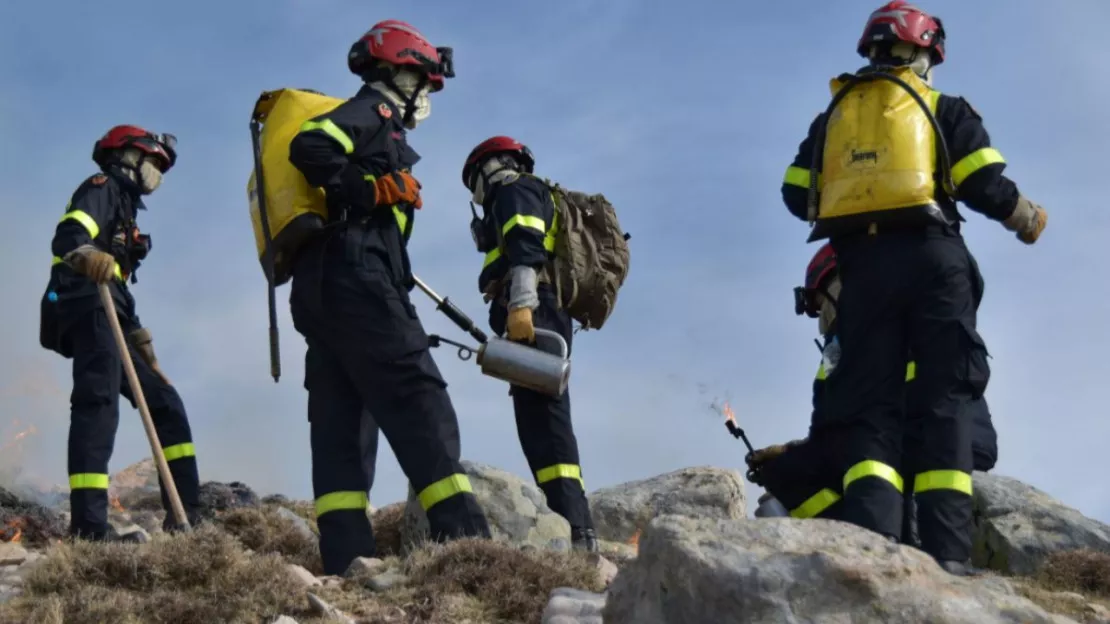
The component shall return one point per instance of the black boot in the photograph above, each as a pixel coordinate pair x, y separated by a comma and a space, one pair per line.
170, 525
109, 535
584, 539
959, 568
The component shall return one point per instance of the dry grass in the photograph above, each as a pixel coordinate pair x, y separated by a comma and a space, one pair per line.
1068, 582
469, 580
262, 530
205, 576
387, 529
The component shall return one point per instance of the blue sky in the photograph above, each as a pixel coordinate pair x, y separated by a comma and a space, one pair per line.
685, 116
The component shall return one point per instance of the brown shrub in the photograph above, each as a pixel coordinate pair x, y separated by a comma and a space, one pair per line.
1084, 571
203, 576
263, 530
387, 529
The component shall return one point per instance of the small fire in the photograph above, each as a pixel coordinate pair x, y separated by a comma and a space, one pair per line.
113, 500
729, 415
635, 539
12, 531
15, 442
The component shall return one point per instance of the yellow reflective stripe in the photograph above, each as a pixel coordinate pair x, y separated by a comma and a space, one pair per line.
975, 161
560, 471
942, 480
88, 481
911, 371
872, 468
340, 501
535, 223
491, 257
329, 128
116, 270
797, 176
815, 504
443, 489
821, 374
402, 218
84, 219
179, 451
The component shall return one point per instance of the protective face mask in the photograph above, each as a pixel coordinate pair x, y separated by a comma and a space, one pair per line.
917, 58
828, 307
407, 82
492, 172
141, 170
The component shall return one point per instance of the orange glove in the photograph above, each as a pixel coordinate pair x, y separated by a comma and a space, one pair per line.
1028, 221
99, 266
397, 188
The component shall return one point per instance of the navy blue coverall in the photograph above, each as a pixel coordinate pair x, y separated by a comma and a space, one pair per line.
73, 323
367, 348
911, 290
520, 211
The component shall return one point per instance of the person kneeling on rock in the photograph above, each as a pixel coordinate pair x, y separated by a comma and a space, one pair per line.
797, 476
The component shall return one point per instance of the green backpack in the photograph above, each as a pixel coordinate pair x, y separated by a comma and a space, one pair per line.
591, 255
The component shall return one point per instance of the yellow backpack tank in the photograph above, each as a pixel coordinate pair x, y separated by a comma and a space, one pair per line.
289, 209
877, 155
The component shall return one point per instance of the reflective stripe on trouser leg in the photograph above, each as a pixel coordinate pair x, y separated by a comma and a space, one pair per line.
816, 505
872, 494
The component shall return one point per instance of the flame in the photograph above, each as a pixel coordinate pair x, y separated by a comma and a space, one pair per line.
113, 500
16, 440
15, 529
729, 415
635, 539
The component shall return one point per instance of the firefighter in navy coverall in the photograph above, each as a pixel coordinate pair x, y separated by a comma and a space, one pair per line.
350, 300
798, 473
885, 194
97, 241
517, 233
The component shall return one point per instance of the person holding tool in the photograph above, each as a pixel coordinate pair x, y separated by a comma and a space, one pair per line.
97, 243
796, 473
367, 349
517, 233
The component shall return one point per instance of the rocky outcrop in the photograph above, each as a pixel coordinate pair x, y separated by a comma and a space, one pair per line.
784, 570
620, 512
1018, 526
517, 511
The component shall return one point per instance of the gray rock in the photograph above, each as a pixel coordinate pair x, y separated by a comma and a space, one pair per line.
285, 619
302, 576
621, 511
216, 497
606, 570
387, 580
365, 566
1018, 526
8, 592
298, 523
12, 554
322, 607
517, 511
573, 606
785, 570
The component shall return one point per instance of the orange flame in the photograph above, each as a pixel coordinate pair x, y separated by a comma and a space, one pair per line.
15, 528
635, 539
729, 415
113, 500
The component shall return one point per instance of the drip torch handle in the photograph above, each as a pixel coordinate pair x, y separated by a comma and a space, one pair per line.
451, 311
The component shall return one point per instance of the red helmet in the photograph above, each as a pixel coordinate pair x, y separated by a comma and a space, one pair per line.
820, 267
400, 44
161, 146
497, 145
900, 21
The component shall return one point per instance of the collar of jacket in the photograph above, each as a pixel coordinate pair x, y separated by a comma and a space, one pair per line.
130, 187
368, 92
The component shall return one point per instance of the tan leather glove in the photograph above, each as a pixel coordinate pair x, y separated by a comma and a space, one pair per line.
143, 342
1028, 221
397, 187
99, 266
520, 325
